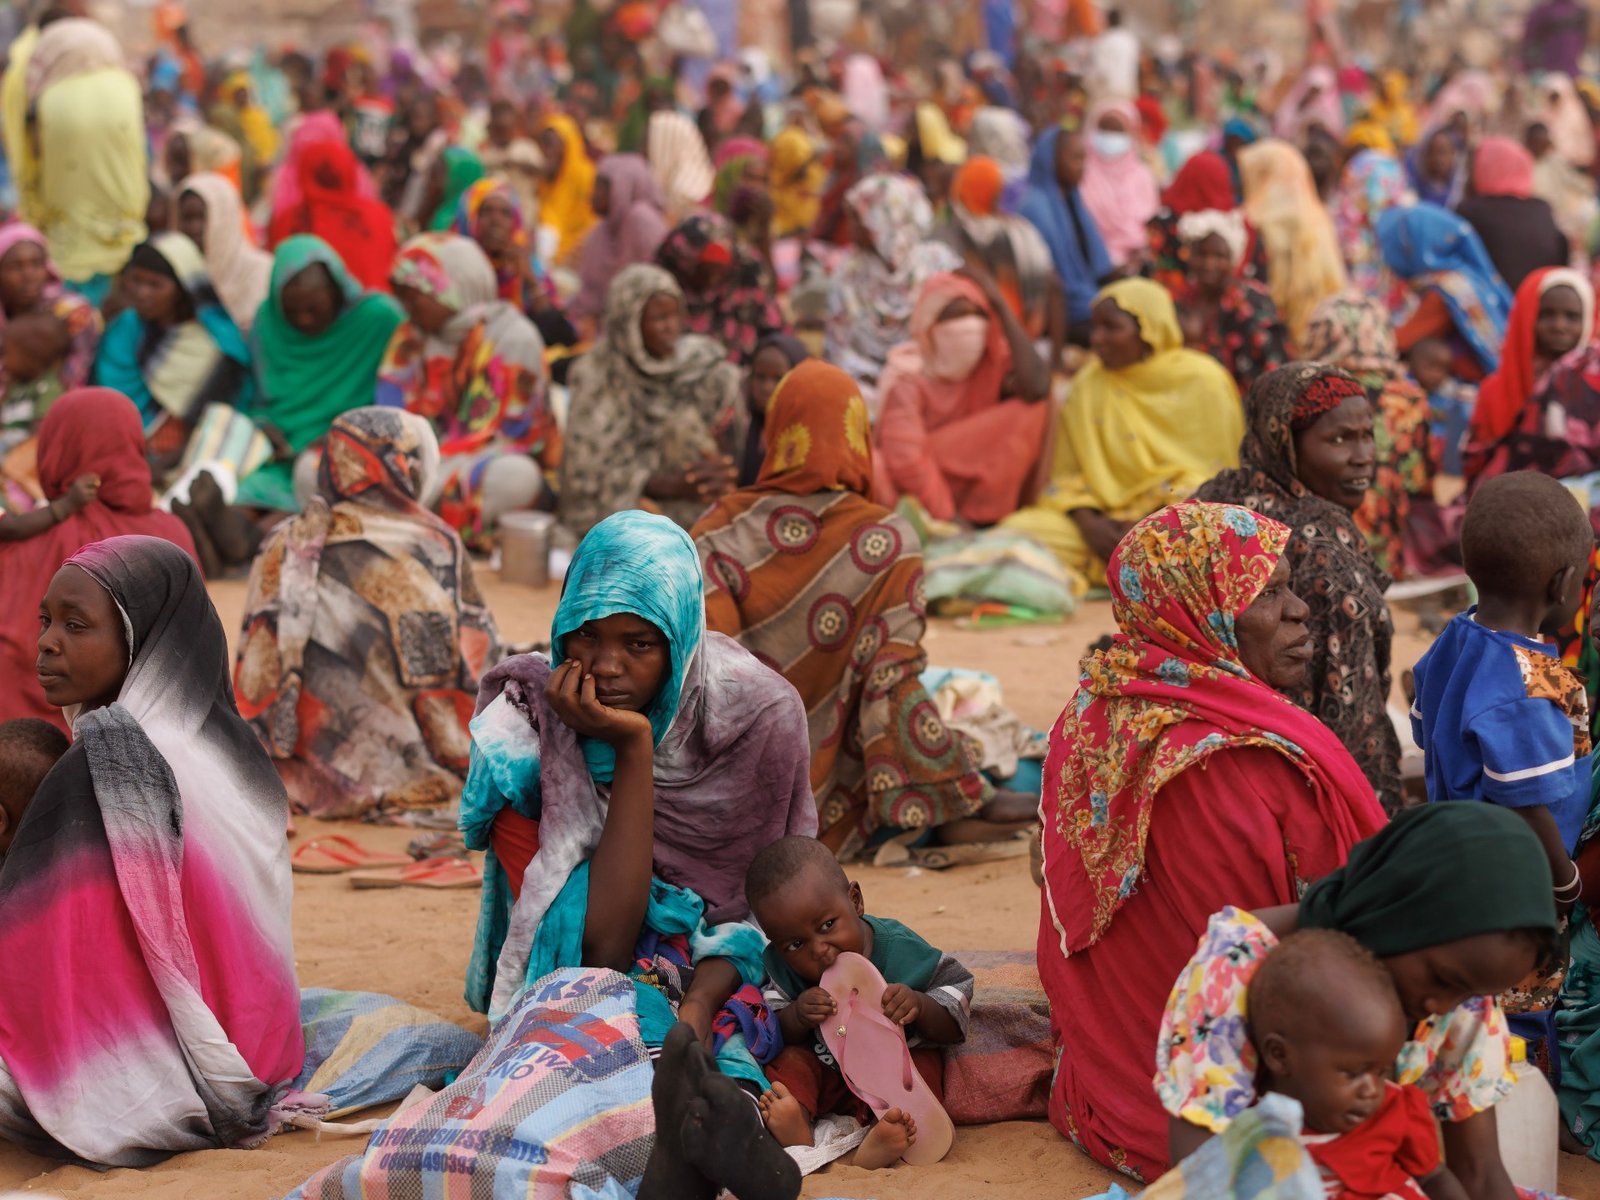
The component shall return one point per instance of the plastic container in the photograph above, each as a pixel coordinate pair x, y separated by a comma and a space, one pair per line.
525, 547
1529, 1121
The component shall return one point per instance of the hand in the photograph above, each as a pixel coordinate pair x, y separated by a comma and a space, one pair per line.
712, 478
985, 280
815, 1006
83, 491
570, 694
281, 450
900, 1004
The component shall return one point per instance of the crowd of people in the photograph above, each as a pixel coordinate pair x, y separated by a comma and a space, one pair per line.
1234, 345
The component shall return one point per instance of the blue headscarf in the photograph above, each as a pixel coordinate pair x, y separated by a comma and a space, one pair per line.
1449, 193
639, 563
1051, 212
1435, 250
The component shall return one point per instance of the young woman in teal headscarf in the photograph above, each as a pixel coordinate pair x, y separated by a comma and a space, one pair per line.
462, 169
317, 341
622, 788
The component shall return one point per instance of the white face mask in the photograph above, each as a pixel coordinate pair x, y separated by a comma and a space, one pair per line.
958, 346
1110, 144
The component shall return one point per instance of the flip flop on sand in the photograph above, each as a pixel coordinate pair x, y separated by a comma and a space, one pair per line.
438, 874
333, 854
875, 1061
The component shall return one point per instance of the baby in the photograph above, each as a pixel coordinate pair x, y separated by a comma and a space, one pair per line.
1327, 1023
28, 749
811, 914
36, 346
1450, 402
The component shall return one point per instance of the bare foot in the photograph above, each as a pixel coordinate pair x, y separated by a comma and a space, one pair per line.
786, 1119
887, 1141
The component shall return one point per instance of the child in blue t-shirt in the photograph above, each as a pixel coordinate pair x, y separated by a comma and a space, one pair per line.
1497, 715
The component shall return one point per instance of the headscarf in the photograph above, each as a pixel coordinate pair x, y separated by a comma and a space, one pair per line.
941, 400
462, 169
1205, 181
1502, 167
90, 430
1011, 247
1068, 229
866, 92
1392, 108
322, 189
873, 292
191, 364
1504, 394
397, 753
631, 411
564, 200
1331, 568
68, 47
1435, 250
165, 823
1304, 266
82, 318
797, 178
519, 276
743, 309
679, 161
632, 231
308, 381
1120, 193
1171, 691
1571, 130
1001, 134
856, 658
1449, 193
732, 160
1295, 115
794, 352
1418, 883
1372, 184
238, 270
731, 762
936, 139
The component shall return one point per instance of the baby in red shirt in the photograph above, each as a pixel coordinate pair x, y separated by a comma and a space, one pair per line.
1327, 1023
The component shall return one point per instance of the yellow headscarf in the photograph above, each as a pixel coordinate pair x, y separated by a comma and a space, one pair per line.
1393, 110
254, 121
797, 177
1146, 435
1368, 134
1304, 264
564, 200
938, 141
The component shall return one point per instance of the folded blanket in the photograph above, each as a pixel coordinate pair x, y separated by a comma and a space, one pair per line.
1002, 1071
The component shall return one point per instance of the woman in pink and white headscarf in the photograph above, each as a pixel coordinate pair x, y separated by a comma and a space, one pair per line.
1118, 187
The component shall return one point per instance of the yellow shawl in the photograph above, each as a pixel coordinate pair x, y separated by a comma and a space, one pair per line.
1304, 263
564, 200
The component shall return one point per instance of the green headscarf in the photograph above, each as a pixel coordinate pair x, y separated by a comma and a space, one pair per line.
462, 169
1435, 875
306, 382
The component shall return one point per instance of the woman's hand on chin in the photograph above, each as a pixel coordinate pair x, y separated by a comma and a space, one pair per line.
571, 694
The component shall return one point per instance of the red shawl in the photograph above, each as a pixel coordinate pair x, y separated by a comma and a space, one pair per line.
332, 199
91, 430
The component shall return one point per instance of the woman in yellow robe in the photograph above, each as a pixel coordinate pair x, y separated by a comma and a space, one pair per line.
1147, 423
564, 198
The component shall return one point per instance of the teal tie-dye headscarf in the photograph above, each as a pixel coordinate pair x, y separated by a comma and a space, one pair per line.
639, 563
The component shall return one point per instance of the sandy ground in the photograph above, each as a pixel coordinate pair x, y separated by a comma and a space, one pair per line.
414, 945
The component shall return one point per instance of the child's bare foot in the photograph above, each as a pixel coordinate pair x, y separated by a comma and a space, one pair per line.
784, 1117
887, 1141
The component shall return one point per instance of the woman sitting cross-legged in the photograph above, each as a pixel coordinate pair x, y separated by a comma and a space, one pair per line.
623, 792
365, 634
825, 585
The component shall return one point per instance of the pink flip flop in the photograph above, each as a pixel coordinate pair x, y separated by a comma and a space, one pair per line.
437, 874
334, 854
873, 1056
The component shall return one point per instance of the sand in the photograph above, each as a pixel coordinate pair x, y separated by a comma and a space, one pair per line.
414, 945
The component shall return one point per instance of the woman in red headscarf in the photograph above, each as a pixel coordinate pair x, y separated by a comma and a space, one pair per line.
95, 432
1203, 184
324, 190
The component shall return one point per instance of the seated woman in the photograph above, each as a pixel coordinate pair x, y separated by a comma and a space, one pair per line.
1054, 205
623, 790
728, 291
1456, 948
1552, 315
569, 182
490, 215
873, 289
322, 189
863, 564
774, 358
91, 432
656, 412
1308, 461
1147, 423
1238, 321
632, 226
1119, 188
174, 349
365, 634
211, 214
474, 366
1304, 265
317, 343
1462, 297
1205, 183
1372, 183
30, 284
948, 436
1179, 780
152, 862
1517, 228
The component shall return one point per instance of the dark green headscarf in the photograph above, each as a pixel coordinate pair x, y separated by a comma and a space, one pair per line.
462, 169
1435, 875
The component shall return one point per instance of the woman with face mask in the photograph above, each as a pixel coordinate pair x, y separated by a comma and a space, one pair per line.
948, 435
1118, 186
